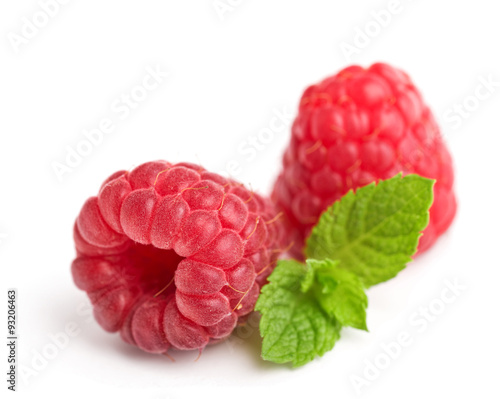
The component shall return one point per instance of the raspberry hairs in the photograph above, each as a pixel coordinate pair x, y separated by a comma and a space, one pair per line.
172, 256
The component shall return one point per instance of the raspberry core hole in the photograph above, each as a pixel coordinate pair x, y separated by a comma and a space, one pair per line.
154, 267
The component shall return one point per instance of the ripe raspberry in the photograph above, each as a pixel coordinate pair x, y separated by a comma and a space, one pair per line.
354, 128
173, 255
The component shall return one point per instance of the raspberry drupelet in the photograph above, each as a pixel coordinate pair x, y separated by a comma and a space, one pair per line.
172, 256
353, 128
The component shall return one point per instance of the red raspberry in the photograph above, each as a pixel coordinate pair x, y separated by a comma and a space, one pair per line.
354, 128
172, 255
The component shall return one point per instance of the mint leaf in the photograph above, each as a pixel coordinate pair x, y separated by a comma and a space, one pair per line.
339, 292
293, 325
374, 231
365, 238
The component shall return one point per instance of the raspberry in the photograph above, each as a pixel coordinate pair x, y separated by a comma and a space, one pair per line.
356, 127
172, 256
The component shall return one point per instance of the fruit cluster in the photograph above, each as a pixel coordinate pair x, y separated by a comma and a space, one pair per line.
173, 255
353, 128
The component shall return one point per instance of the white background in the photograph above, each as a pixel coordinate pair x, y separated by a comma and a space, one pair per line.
226, 76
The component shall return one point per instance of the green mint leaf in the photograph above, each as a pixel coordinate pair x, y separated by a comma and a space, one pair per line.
294, 327
374, 231
370, 235
339, 292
